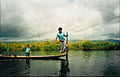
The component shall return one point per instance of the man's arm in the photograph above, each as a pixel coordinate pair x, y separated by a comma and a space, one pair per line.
55, 40
66, 35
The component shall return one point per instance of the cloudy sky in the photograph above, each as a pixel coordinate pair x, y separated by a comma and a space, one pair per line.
39, 19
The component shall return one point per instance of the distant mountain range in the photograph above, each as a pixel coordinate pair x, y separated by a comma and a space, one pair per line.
29, 41
110, 40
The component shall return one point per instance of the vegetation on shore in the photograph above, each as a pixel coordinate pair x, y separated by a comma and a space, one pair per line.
50, 46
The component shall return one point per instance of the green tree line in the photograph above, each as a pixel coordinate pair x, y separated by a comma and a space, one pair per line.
50, 46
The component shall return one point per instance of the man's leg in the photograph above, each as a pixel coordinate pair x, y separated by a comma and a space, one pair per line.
60, 47
64, 46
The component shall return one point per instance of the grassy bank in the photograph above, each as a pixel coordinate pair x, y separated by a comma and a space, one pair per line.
50, 46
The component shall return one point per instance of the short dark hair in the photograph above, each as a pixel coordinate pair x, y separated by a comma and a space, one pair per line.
59, 28
28, 45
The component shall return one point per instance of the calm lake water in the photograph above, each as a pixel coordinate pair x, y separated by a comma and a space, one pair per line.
79, 63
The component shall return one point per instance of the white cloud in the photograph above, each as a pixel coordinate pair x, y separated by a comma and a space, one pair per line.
117, 11
39, 19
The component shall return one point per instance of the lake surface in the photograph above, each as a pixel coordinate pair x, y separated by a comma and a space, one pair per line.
79, 63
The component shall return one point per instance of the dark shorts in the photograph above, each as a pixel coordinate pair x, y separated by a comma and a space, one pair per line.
27, 54
62, 40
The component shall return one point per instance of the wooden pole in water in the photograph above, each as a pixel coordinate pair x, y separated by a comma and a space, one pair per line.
67, 46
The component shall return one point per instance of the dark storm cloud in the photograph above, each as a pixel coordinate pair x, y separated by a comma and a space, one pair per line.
11, 31
106, 8
112, 35
12, 24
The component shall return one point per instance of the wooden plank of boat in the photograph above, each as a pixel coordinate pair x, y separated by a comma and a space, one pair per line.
31, 57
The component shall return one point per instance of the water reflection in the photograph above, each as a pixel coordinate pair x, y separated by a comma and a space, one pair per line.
64, 71
27, 66
112, 66
81, 63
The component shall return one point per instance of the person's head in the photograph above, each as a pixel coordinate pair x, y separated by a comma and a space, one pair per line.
60, 29
28, 45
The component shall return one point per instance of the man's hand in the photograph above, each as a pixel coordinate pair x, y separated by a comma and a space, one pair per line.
66, 35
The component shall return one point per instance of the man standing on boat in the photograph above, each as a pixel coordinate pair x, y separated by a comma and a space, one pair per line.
61, 35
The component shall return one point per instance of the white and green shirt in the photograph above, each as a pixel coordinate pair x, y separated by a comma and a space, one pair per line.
61, 36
